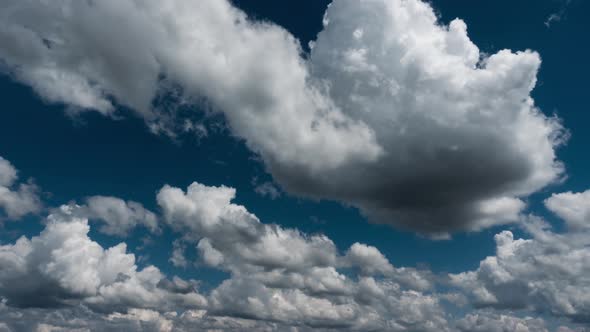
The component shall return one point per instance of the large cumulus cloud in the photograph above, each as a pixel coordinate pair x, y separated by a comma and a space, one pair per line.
392, 111
462, 137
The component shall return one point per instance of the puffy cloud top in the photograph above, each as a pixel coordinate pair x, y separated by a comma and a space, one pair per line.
63, 264
282, 278
119, 217
392, 112
546, 273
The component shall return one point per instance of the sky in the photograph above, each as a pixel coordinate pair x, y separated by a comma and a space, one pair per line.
260, 165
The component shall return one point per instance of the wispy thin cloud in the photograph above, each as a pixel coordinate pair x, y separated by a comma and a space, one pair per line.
558, 16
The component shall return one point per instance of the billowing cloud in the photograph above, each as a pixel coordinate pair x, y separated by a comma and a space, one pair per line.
546, 273
16, 200
283, 275
500, 323
573, 208
462, 138
392, 112
119, 217
63, 266
281, 279
228, 235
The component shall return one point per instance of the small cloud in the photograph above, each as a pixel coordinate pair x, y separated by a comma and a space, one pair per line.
266, 189
559, 15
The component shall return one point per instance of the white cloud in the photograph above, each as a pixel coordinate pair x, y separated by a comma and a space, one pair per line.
63, 265
485, 322
573, 208
283, 275
369, 259
119, 217
7, 173
230, 236
19, 200
393, 112
462, 138
178, 257
281, 279
546, 273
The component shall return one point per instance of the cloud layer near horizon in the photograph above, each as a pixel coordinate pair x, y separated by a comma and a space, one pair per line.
392, 112
280, 278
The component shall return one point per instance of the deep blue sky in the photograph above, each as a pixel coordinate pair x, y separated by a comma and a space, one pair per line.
71, 158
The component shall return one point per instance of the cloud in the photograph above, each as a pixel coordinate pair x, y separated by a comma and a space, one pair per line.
573, 208
286, 276
462, 138
178, 257
370, 262
281, 279
546, 273
229, 236
499, 323
63, 266
119, 217
392, 112
19, 200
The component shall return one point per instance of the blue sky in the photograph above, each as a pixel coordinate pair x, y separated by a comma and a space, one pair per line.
72, 152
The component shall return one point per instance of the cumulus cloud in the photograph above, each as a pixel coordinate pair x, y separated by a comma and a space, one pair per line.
283, 275
228, 235
16, 200
63, 265
573, 208
500, 323
370, 261
462, 137
61, 280
393, 111
281, 279
546, 273
119, 217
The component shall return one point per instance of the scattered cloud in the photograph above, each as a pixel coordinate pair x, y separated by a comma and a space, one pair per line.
178, 257
546, 273
119, 217
16, 200
282, 279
